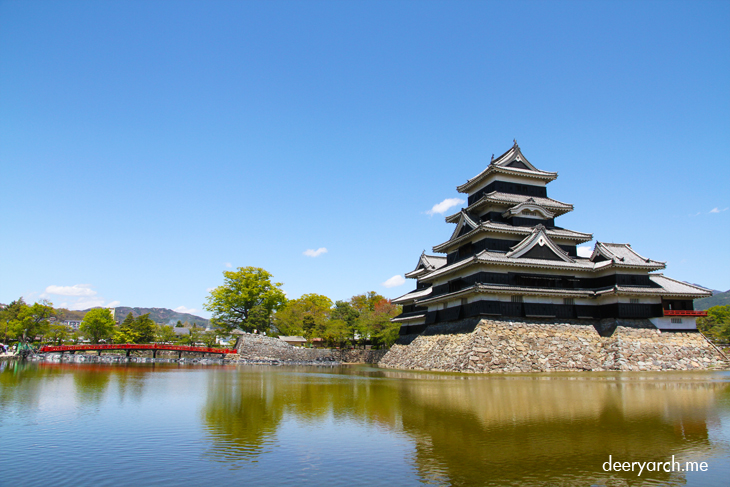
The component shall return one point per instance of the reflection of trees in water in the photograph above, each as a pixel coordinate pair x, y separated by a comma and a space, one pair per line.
496, 430
241, 414
21, 384
91, 382
244, 408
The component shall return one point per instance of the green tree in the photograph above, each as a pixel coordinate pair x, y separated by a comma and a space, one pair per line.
74, 337
136, 330
366, 302
245, 301
33, 321
97, 324
716, 325
58, 333
210, 338
193, 337
145, 328
8, 316
306, 316
336, 333
126, 333
374, 322
345, 311
165, 334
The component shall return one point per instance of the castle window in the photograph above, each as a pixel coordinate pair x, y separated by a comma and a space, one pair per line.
569, 301
676, 320
516, 299
634, 300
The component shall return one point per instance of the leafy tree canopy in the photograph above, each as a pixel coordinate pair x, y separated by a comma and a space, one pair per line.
717, 323
245, 300
58, 333
8, 317
165, 334
32, 321
136, 330
97, 325
307, 316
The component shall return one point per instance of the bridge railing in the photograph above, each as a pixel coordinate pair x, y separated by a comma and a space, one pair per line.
133, 346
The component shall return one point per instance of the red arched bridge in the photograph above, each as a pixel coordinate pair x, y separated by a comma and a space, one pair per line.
132, 347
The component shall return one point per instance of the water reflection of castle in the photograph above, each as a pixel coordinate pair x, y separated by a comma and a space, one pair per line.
474, 430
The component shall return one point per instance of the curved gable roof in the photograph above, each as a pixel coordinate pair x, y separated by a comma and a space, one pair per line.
511, 162
538, 245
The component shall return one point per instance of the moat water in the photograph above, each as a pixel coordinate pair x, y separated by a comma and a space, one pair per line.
178, 425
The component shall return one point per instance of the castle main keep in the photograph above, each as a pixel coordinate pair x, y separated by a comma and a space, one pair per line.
507, 257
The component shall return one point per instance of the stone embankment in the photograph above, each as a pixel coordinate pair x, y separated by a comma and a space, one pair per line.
542, 346
260, 349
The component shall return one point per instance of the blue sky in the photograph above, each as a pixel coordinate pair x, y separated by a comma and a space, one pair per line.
147, 146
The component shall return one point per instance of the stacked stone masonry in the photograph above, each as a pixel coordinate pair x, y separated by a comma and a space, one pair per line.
541, 346
266, 350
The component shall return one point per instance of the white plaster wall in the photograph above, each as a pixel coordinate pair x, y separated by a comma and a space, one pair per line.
665, 323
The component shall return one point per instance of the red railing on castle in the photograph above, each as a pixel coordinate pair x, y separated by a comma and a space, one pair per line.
134, 346
681, 312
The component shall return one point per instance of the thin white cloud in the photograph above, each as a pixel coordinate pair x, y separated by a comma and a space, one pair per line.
113, 304
209, 289
717, 210
443, 207
75, 290
585, 251
183, 309
87, 302
315, 253
394, 281
229, 265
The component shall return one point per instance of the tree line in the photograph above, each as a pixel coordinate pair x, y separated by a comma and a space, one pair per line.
249, 300
41, 322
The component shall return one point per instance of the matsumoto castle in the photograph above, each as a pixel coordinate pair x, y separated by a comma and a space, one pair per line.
508, 258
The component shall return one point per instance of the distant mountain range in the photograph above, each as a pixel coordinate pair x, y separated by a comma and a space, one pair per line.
718, 298
163, 316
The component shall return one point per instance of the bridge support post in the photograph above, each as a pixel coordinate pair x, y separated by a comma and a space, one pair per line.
128, 352
179, 355
99, 353
154, 354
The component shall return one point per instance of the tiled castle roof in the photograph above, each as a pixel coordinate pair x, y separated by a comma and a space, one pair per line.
511, 162
508, 200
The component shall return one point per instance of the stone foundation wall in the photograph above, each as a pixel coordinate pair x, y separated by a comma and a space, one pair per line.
542, 346
357, 356
263, 349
